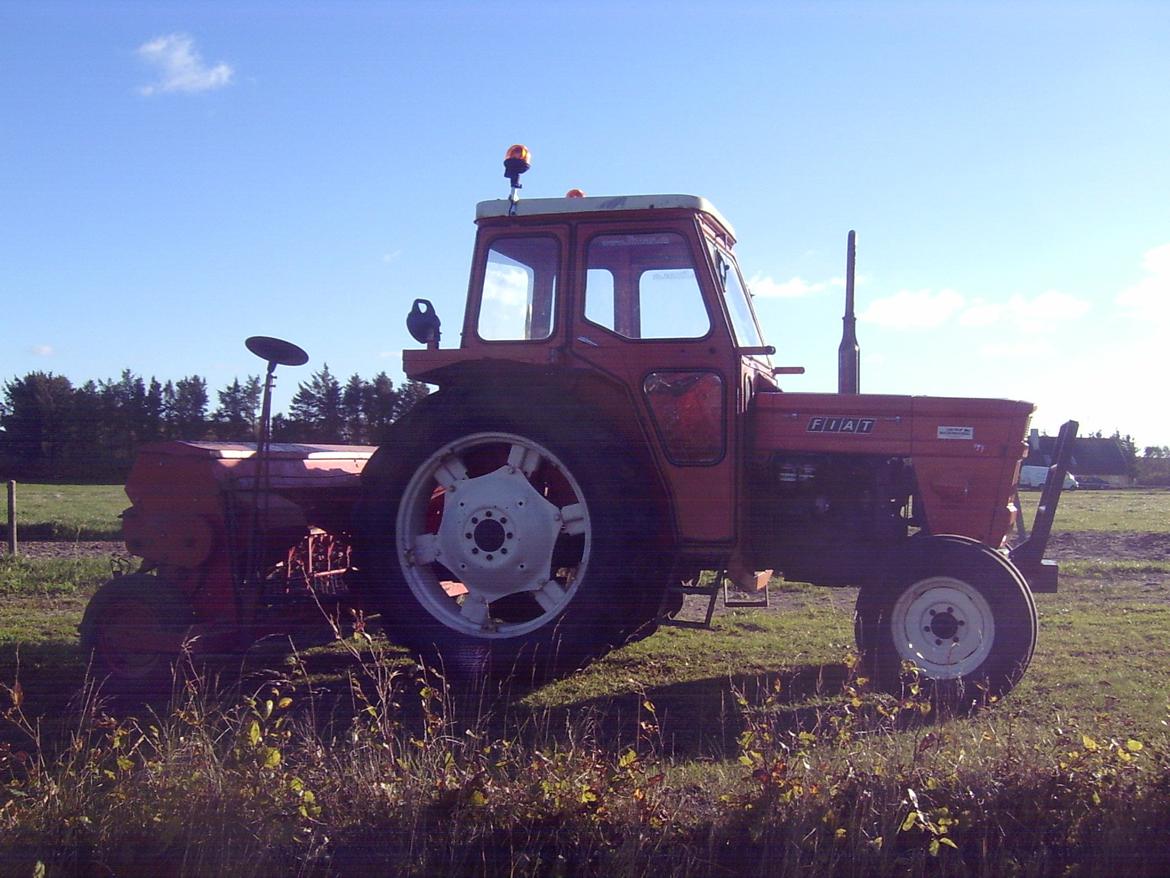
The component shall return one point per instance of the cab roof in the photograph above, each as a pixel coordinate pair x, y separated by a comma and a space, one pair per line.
601, 203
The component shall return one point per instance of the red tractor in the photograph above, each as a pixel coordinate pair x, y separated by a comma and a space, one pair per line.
609, 427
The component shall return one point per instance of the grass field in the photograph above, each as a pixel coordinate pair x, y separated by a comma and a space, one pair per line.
1135, 510
752, 749
67, 512
90, 512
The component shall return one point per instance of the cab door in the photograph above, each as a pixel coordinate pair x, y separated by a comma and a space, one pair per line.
646, 315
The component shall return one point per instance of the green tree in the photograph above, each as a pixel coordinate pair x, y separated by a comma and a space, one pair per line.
152, 425
381, 407
186, 407
354, 409
238, 405
37, 421
316, 408
124, 415
408, 396
1129, 449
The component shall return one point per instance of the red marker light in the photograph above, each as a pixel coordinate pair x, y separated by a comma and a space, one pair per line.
575, 193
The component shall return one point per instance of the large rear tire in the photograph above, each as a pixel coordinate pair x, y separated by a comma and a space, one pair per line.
957, 611
499, 543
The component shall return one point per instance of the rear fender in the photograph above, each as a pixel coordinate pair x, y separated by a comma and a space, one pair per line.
517, 391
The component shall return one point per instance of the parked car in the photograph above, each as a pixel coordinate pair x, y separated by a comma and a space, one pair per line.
1093, 483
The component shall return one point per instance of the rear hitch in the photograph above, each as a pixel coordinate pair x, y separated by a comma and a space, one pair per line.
1028, 556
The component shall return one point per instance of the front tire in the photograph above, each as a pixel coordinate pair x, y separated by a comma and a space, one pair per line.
958, 612
133, 630
494, 545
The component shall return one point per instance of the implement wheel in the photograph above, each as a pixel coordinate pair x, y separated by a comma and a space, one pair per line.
958, 612
133, 629
498, 546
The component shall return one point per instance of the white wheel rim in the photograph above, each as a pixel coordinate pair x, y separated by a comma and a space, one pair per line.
497, 535
944, 626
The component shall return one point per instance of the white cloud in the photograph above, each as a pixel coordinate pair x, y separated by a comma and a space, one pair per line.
1037, 314
928, 309
1026, 349
180, 67
1149, 298
914, 309
764, 287
507, 285
43, 350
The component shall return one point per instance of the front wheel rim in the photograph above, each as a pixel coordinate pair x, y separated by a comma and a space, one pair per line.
943, 625
493, 535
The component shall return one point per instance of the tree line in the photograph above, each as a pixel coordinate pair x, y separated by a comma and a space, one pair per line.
53, 429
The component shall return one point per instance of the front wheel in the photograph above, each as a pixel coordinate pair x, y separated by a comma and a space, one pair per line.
512, 548
133, 630
958, 612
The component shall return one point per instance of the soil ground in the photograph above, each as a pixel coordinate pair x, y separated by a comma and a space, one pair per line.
47, 549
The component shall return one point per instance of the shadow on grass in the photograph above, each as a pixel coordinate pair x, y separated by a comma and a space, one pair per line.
44, 679
702, 719
694, 719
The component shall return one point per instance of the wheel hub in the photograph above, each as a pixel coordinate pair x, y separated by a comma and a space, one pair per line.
489, 535
944, 625
498, 533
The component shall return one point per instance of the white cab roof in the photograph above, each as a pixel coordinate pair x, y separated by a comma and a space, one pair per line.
599, 203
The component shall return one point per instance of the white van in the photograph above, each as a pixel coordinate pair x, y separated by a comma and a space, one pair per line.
1035, 476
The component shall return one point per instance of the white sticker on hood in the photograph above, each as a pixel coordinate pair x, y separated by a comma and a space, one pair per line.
956, 432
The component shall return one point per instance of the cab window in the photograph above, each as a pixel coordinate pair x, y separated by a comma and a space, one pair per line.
644, 286
519, 293
739, 306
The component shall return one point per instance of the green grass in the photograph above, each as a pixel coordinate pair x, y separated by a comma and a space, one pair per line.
90, 512
67, 512
1144, 510
749, 749
42, 576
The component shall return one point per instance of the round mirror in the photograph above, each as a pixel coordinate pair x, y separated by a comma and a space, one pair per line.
276, 350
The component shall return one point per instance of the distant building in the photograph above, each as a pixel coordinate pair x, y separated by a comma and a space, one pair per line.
1092, 459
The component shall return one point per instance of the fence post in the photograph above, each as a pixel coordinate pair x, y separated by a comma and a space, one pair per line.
12, 517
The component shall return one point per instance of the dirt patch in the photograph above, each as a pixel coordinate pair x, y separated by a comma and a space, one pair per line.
1101, 546
90, 549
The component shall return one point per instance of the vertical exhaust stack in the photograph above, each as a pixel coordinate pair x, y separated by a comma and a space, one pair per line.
849, 353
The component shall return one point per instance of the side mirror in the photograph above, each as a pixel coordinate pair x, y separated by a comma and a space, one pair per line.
423, 323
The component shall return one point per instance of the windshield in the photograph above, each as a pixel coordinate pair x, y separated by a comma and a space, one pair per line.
739, 306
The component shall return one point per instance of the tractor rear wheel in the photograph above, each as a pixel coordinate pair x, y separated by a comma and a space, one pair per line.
133, 629
958, 612
496, 545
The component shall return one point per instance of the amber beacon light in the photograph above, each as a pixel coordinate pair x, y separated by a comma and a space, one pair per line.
517, 160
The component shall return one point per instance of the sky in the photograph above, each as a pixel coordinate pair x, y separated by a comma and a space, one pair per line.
175, 177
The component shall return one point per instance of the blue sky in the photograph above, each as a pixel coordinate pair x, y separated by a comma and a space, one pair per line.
177, 176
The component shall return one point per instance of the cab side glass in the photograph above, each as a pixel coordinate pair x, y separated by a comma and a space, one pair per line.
687, 406
518, 300
738, 303
644, 286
